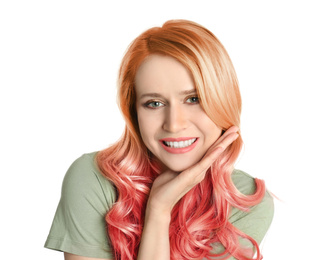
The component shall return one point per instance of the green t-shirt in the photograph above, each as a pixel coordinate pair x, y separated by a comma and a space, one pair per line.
79, 226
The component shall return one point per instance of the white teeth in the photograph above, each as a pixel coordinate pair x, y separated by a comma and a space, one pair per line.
181, 144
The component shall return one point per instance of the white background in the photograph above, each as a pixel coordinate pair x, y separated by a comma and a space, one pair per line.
58, 70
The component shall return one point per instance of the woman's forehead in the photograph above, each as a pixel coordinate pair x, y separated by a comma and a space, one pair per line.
159, 73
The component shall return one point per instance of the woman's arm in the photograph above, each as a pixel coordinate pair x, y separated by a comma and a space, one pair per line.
77, 257
168, 188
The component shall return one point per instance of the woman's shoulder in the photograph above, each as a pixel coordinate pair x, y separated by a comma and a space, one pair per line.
84, 178
85, 162
246, 185
257, 220
244, 182
79, 225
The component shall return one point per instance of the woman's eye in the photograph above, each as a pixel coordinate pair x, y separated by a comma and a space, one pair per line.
192, 100
153, 104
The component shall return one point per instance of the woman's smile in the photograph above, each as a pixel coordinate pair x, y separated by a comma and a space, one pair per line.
179, 145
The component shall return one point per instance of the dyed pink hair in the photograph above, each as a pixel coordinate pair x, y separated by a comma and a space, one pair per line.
200, 218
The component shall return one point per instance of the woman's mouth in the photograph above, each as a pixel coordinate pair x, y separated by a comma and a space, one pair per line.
179, 145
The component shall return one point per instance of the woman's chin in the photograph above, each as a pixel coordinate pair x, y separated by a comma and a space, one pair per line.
177, 165
176, 168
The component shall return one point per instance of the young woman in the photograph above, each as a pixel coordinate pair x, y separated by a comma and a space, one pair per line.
167, 189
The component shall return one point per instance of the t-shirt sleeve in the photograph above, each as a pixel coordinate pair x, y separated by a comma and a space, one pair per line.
79, 224
255, 222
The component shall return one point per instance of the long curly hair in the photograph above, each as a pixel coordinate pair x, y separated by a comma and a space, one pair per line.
200, 219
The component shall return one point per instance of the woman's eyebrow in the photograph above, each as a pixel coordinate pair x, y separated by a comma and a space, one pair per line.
150, 95
185, 92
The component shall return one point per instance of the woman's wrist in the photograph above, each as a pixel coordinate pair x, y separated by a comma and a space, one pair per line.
157, 216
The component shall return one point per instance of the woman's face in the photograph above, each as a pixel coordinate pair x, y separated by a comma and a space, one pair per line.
173, 125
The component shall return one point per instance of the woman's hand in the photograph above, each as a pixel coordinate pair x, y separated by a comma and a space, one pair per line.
169, 187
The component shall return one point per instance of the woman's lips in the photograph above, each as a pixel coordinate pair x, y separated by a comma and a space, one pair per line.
179, 145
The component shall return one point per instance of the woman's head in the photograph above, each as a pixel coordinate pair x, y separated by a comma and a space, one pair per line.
204, 57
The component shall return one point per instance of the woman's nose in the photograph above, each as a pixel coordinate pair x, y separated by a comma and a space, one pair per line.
175, 119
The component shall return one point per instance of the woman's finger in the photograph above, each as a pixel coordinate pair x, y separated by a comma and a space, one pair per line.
224, 141
231, 130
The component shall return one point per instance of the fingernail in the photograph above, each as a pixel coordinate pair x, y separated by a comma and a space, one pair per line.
219, 149
235, 137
